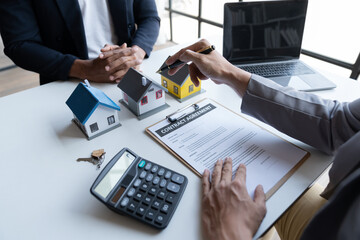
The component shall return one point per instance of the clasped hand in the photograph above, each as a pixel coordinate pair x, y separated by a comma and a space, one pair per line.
112, 64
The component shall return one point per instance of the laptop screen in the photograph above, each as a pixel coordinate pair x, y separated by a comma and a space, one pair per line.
263, 31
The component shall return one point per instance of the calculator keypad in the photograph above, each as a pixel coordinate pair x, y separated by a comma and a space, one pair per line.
154, 195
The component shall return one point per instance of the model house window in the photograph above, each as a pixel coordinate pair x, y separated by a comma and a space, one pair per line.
126, 99
176, 90
191, 88
94, 127
165, 83
144, 100
158, 94
151, 89
111, 120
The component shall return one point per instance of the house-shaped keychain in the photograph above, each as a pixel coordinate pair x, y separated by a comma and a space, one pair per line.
94, 112
142, 96
180, 84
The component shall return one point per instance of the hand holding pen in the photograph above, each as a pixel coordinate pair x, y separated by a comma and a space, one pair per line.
200, 67
205, 50
212, 65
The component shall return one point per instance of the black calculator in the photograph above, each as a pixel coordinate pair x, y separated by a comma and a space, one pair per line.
139, 188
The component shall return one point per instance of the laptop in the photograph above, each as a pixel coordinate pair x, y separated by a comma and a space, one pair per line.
264, 38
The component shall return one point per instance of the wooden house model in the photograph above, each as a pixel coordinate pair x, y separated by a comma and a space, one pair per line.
94, 112
179, 84
140, 94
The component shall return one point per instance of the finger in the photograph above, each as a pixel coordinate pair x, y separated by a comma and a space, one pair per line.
194, 78
135, 48
106, 48
139, 52
216, 174
172, 71
111, 78
121, 57
115, 63
206, 182
196, 74
121, 64
171, 59
122, 69
118, 75
240, 174
189, 56
227, 171
194, 47
199, 74
259, 196
109, 47
118, 52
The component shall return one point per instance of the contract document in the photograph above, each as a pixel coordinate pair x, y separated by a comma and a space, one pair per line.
205, 132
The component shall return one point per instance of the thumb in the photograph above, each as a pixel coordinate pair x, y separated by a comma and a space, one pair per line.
259, 195
124, 45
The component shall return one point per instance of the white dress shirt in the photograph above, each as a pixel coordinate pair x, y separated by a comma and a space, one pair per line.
98, 25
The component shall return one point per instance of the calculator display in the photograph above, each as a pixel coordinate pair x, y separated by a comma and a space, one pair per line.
113, 176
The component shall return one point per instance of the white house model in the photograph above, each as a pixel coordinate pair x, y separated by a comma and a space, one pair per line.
140, 94
94, 112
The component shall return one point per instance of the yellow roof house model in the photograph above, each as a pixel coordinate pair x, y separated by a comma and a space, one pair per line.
179, 84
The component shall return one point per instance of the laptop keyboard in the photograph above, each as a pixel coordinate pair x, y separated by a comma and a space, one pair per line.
278, 69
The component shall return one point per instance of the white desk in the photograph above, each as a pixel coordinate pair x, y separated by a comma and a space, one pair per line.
45, 191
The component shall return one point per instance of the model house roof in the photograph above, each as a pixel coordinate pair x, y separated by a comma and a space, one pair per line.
132, 84
179, 78
85, 99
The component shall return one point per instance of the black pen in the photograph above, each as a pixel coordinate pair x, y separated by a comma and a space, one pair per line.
205, 50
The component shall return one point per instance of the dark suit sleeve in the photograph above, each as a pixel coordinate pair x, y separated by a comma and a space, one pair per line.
23, 43
321, 123
148, 24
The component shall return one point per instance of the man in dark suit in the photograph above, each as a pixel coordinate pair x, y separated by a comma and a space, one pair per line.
51, 37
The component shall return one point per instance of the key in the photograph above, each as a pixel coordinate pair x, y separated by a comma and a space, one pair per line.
97, 158
90, 160
96, 162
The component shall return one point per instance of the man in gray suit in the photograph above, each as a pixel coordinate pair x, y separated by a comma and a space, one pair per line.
228, 212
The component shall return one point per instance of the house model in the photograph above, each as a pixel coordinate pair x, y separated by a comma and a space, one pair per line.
141, 95
179, 84
94, 112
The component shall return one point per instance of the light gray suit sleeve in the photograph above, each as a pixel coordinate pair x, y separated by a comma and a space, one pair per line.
323, 124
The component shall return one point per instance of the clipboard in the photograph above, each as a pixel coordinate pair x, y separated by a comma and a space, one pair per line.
198, 110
